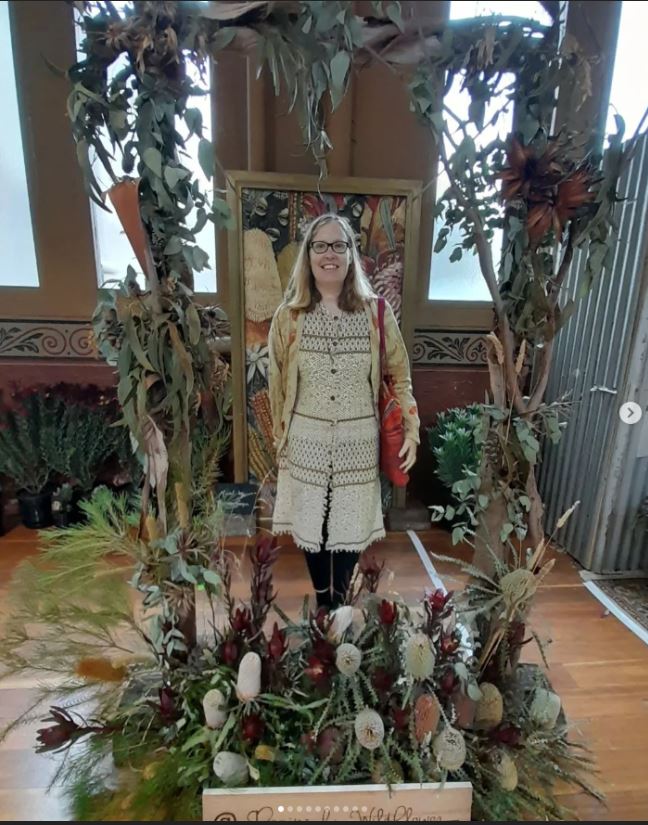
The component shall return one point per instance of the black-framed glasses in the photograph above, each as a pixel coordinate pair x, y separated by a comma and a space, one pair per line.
320, 247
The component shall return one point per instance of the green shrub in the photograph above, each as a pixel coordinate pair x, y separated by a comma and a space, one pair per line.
452, 443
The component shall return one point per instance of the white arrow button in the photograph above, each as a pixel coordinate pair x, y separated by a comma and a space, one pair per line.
630, 412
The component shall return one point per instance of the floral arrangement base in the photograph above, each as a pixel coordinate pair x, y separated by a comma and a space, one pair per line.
426, 802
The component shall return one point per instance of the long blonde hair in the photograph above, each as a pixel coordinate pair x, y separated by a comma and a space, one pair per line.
302, 292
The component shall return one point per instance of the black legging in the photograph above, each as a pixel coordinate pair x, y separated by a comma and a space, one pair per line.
330, 572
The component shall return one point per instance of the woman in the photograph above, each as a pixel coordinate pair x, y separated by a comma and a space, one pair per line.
324, 379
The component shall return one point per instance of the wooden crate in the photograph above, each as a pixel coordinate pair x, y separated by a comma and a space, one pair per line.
429, 802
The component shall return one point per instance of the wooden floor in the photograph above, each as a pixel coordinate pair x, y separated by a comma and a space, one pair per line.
599, 668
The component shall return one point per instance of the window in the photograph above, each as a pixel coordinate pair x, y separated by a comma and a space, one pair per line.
16, 233
462, 280
630, 65
113, 252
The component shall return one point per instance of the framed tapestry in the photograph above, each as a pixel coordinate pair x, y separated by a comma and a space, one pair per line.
271, 212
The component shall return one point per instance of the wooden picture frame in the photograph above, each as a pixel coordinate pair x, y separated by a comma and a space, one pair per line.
270, 209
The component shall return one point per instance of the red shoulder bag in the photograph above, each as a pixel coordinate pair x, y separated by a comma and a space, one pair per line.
391, 415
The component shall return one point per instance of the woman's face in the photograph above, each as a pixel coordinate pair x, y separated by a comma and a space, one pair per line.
328, 265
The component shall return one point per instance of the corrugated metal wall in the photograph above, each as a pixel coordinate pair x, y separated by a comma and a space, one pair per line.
600, 359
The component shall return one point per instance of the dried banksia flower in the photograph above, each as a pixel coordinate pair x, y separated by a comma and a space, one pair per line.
517, 587
99, 670
450, 749
419, 657
347, 659
214, 709
545, 708
426, 716
231, 769
490, 707
369, 729
248, 683
506, 770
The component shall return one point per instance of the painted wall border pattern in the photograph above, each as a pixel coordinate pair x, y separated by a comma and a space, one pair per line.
46, 339
73, 339
462, 348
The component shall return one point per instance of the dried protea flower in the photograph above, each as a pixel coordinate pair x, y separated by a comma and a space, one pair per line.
450, 749
529, 173
248, 683
426, 716
490, 707
347, 659
369, 729
506, 770
545, 708
342, 620
214, 707
419, 657
231, 769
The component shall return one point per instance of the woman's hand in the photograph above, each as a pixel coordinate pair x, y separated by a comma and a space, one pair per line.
408, 451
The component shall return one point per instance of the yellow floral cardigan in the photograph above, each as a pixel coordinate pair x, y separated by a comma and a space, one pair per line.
283, 345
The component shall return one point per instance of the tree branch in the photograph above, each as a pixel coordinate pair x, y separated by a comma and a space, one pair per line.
488, 271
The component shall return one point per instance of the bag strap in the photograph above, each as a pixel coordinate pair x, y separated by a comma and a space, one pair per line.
381, 329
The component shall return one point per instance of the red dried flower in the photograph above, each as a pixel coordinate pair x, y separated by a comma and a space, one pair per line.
265, 553
242, 621
387, 612
507, 734
168, 709
64, 730
449, 645
324, 651
438, 600
448, 681
277, 644
230, 653
316, 670
382, 680
401, 717
252, 727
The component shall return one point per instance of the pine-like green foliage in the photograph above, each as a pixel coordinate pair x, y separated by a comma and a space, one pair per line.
452, 443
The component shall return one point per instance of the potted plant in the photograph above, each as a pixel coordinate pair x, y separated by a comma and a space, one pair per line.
25, 431
454, 449
63, 505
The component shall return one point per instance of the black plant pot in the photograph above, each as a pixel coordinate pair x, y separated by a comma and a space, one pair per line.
63, 518
35, 510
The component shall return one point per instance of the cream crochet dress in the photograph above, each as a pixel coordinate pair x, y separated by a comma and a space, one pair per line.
333, 439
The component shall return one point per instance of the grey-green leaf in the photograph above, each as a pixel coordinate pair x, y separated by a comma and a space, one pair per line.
339, 69
153, 159
206, 157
